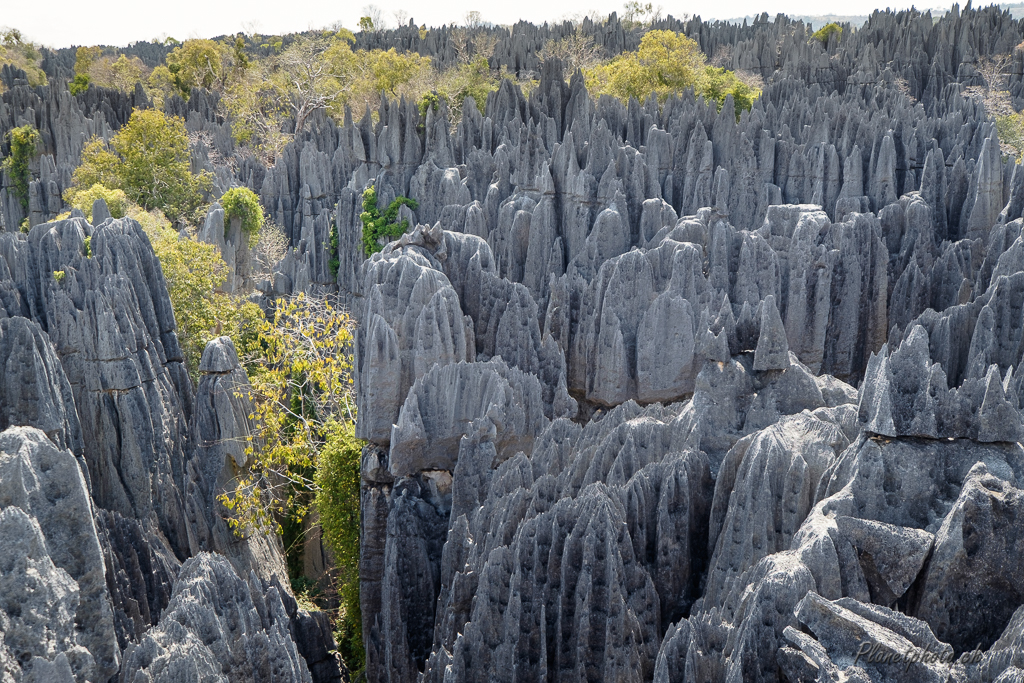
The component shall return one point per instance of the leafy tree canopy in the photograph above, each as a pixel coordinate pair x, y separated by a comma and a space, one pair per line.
116, 200
195, 64
827, 31
149, 160
668, 63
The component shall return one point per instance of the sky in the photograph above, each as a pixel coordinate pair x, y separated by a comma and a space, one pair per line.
118, 22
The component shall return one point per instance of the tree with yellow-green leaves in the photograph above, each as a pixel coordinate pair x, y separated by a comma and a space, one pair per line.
666, 63
304, 455
149, 160
83, 199
84, 58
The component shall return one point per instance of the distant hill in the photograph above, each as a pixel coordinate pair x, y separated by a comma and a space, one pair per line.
817, 21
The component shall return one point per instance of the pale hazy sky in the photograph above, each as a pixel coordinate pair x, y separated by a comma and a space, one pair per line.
60, 23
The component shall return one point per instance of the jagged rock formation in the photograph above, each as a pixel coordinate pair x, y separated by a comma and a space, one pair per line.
650, 392
218, 627
56, 609
110, 464
772, 517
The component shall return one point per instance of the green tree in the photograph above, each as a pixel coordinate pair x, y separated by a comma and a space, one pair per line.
193, 270
23, 141
666, 62
195, 64
719, 84
827, 31
377, 225
304, 454
148, 159
84, 58
241, 59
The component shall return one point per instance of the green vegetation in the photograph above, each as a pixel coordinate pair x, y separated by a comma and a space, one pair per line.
23, 141
58, 275
22, 54
1010, 128
377, 225
827, 31
88, 246
429, 102
304, 454
335, 262
117, 201
472, 79
337, 501
242, 203
148, 159
195, 64
667, 63
193, 270
92, 67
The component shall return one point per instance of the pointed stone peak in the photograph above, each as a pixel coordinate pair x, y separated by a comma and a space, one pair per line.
772, 352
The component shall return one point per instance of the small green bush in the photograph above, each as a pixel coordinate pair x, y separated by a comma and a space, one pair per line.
79, 85
58, 275
377, 224
242, 203
88, 247
826, 31
23, 148
430, 100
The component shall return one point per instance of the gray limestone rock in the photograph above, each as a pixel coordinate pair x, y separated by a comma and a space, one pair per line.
221, 432
217, 627
970, 588
772, 352
445, 401
58, 540
842, 631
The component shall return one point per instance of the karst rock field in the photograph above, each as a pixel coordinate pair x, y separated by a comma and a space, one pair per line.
648, 390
